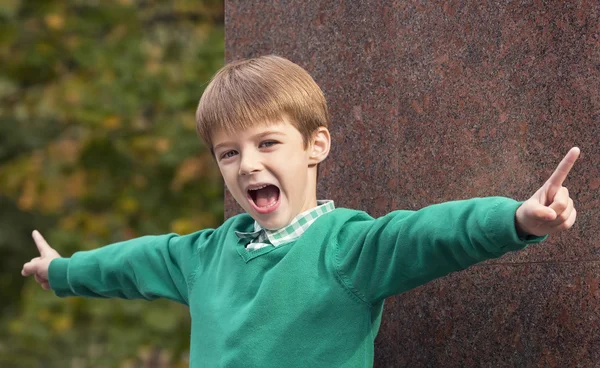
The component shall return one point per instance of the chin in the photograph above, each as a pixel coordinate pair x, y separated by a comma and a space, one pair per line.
275, 223
272, 225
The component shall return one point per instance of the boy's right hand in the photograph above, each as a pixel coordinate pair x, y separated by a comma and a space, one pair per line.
39, 265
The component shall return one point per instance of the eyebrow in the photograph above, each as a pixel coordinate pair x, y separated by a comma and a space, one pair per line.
256, 136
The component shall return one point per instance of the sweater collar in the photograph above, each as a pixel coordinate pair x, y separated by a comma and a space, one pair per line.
288, 233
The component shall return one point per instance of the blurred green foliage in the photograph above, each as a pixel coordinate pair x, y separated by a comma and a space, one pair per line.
98, 145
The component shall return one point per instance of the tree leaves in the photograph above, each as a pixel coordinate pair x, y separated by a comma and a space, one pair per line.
98, 145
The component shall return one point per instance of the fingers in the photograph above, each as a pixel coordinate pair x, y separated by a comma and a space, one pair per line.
562, 170
565, 215
571, 220
561, 201
565, 218
550, 209
45, 284
40, 242
535, 219
541, 213
30, 267
40, 280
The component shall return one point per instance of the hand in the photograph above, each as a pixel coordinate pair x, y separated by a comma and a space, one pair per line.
39, 265
550, 209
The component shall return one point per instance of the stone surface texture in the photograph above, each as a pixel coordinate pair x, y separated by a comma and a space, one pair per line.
441, 100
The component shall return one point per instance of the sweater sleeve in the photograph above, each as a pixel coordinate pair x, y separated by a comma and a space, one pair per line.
404, 249
149, 267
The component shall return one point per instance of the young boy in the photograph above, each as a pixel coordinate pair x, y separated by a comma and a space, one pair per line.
295, 282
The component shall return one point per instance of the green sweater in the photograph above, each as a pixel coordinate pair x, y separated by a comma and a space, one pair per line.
314, 302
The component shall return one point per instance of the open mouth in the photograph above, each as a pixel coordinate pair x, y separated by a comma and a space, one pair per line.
264, 198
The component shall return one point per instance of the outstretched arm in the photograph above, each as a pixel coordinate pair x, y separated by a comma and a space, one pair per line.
405, 249
148, 267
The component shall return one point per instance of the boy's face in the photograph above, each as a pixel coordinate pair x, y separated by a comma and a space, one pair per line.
269, 172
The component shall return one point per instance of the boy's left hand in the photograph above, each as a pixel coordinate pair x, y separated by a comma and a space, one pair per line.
550, 209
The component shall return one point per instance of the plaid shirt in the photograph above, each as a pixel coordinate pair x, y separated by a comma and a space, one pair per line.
263, 237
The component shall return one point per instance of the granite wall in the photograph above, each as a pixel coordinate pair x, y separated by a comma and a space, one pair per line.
441, 100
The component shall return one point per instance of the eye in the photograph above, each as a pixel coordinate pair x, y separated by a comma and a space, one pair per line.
228, 154
267, 144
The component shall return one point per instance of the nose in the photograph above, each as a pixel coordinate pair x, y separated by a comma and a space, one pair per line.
250, 164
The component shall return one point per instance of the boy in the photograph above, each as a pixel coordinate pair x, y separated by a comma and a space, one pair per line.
294, 282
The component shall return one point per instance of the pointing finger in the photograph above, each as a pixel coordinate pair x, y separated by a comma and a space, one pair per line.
562, 170
40, 242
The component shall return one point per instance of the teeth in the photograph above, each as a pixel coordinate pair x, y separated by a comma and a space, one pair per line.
257, 188
270, 205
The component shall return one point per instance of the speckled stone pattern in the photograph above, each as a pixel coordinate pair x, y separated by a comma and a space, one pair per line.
440, 100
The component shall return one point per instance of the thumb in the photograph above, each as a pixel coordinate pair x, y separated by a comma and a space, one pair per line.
31, 267
42, 246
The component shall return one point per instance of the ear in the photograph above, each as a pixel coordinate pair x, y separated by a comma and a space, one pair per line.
320, 145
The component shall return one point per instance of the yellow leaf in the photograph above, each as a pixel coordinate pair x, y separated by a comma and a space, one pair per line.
182, 226
72, 96
188, 121
152, 67
163, 145
128, 363
96, 224
75, 185
54, 21
112, 122
202, 221
187, 171
28, 196
69, 222
189, 225
51, 200
142, 144
62, 323
129, 205
43, 315
117, 33
153, 50
66, 150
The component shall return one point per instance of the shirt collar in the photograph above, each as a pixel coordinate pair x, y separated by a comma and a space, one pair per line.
290, 232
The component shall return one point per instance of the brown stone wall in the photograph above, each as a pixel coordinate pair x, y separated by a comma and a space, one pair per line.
439, 100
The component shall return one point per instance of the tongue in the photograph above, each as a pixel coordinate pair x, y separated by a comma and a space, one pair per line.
266, 196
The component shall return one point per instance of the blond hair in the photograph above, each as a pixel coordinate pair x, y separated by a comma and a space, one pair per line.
260, 91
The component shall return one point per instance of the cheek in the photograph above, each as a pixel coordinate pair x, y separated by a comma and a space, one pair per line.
229, 177
295, 171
